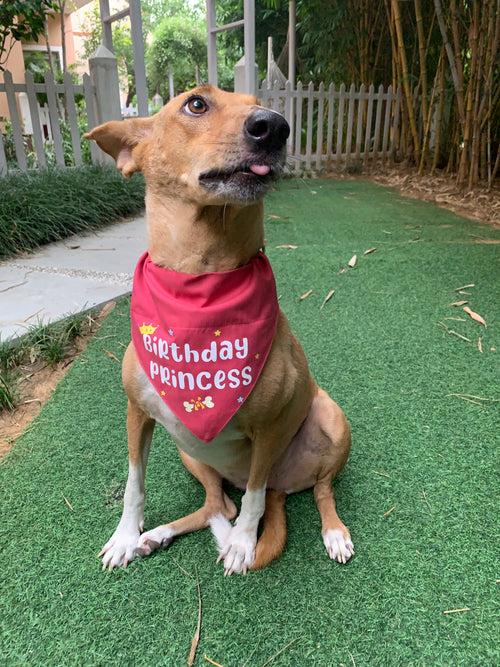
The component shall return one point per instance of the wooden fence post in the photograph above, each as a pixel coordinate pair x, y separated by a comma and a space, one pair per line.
104, 75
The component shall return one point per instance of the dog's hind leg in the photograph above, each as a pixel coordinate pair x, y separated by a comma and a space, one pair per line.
336, 536
216, 503
120, 549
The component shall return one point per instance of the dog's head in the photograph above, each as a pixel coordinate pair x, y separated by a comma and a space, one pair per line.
208, 145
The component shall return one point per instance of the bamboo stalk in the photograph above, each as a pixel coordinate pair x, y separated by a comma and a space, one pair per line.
484, 33
422, 57
467, 135
429, 117
437, 139
457, 82
406, 82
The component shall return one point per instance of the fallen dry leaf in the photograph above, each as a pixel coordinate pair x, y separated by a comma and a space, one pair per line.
480, 344
458, 303
327, 298
369, 251
305, 295
352, 261
271, 216
111, 355
474, 316
288, 246
458, 289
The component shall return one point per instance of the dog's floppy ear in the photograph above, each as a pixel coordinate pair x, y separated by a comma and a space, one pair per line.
120, 139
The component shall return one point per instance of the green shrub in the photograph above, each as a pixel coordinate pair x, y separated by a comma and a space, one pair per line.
38, 207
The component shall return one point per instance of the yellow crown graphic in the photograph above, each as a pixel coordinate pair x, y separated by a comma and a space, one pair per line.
147, 328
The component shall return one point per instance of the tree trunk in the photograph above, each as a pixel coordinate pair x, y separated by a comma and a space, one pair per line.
62, 8
49, 50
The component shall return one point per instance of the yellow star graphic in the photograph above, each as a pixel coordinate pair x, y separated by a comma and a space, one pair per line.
218, 332
162, 393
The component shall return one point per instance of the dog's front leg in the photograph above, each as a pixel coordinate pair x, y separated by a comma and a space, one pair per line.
121, 548
237, 543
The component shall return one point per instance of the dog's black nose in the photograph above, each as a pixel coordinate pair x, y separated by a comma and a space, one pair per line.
266, 129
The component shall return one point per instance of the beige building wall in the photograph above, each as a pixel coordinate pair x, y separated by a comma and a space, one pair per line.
74, 38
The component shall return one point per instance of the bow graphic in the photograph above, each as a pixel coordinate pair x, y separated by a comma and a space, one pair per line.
198, 404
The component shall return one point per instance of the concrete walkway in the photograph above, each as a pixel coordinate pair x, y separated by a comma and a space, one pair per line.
69, 276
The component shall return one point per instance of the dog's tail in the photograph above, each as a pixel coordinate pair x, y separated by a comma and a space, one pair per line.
273, 538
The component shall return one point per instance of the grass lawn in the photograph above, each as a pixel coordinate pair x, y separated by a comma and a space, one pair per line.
417, 493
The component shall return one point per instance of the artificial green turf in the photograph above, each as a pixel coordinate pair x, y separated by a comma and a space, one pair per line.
377, 347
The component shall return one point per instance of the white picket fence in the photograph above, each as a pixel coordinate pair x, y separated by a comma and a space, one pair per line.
59, 95
335, 124
328, 125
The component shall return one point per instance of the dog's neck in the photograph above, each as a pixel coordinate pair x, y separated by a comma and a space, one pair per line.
186, 237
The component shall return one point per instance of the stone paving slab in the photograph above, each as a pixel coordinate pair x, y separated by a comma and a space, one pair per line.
69, 276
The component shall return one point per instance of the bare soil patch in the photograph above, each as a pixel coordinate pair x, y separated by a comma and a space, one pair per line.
38, 382
481, 204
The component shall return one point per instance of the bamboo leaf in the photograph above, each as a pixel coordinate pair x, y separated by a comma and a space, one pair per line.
475, 316
327, 298
305, 295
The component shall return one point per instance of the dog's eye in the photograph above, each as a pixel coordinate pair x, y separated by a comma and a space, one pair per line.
196, 106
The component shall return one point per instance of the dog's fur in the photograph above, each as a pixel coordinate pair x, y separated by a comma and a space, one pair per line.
289, 435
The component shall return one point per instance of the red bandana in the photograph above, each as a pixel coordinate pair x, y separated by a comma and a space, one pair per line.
203, 340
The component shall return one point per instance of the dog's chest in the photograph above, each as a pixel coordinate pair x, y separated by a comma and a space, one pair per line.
228, 453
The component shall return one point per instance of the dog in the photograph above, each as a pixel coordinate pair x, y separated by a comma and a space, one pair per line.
208, 158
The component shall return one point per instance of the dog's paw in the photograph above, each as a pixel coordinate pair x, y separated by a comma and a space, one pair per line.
338, 545
120, 549
236, 546
158, 538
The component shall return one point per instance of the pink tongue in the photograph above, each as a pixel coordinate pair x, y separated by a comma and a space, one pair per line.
260, 169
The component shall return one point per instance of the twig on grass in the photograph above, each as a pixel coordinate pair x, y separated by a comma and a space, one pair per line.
196, 637
451, 332
381, 473
212, 662
424, 496
352, 658
390, 511
181, 568
68, 503
470, 397
275, 655
456, 611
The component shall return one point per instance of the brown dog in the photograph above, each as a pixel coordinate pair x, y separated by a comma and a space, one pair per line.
208, 157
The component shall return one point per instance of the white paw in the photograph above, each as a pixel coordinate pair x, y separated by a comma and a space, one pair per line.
158, 538
338, 545
120, 549
236, 546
